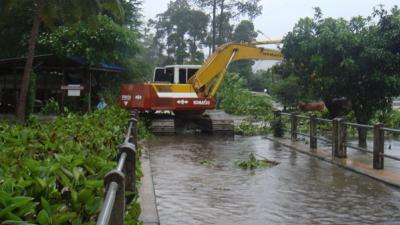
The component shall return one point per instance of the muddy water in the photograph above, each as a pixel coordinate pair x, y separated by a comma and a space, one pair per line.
300, 190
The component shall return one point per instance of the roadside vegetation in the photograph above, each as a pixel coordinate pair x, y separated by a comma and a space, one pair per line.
52, 173
356, 59
233, 97
327, 58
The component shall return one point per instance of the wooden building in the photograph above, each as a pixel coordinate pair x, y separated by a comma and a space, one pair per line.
54, 76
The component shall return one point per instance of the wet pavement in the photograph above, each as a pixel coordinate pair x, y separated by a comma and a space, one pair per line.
300, 190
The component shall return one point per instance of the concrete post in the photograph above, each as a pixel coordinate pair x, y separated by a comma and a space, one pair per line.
313, 132
293, 127
118, 210
379, 140
339, 133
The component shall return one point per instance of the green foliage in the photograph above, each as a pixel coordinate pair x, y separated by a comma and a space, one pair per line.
50, 108
60, 13
253, 163
357, 59
251, 128
393, 119
15, 25
244, 69
181, 31
234, 98
244, 31
143, 132
104, 42
223, 13
281, 92
52, 173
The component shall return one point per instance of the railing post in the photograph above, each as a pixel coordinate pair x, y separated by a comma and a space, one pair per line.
122, 179
293, 127
313, 132
133, 120
277, 114
277, 125
379, 138
118, 210
134, 133
129, 168
339, 133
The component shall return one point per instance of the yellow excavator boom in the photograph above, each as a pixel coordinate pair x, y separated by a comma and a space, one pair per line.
208, 78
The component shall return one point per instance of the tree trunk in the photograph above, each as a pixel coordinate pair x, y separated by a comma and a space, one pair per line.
39, 4
214, 25
362, 137
221, 22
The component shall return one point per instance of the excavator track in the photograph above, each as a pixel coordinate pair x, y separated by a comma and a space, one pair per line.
211, 124
222, 126
163, 124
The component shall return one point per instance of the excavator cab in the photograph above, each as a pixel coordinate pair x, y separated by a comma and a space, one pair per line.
174, 74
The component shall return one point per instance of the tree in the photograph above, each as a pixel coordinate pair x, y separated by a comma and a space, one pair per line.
356, 59
107, 42
228, 10
47, 12
181, 31
132, 15
244, 32
287, 98
197, 34
15, 24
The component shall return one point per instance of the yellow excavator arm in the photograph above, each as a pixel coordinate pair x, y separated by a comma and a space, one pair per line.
208, 78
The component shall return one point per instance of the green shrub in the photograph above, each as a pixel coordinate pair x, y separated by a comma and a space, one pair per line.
52, 173
392, 119
249, 128
234, 98
51, 107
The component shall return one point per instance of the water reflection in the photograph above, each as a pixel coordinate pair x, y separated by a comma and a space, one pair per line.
300, 190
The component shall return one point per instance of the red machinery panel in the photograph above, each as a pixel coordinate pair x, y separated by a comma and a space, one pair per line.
143, 97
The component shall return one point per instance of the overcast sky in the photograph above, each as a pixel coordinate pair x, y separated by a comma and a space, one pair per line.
279, 16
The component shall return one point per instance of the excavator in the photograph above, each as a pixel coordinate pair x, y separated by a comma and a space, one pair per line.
179, 95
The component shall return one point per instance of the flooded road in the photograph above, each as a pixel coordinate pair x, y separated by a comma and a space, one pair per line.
300, 190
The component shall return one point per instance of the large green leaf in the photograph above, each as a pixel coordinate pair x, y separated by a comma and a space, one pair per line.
43, 218
62, 218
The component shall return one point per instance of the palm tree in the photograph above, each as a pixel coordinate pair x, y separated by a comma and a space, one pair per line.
48, 12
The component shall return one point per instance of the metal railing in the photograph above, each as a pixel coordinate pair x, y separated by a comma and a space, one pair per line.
121, 179
339, 136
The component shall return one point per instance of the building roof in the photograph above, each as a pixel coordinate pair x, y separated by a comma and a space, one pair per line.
50, 62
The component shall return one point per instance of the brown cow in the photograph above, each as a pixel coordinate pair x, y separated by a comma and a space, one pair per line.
312, 106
